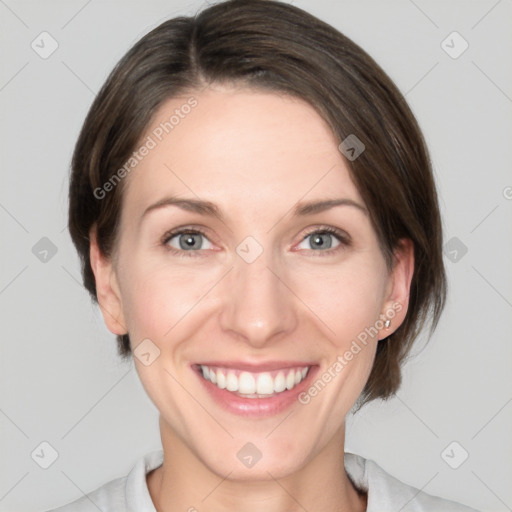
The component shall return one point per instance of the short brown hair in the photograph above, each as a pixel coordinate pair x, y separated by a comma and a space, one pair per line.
278, 47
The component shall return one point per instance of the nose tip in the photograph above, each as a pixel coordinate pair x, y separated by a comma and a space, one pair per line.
259, 307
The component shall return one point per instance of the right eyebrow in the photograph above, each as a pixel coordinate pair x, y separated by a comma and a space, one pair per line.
191, 205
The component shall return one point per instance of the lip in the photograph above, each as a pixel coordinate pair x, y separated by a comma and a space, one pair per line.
256, 407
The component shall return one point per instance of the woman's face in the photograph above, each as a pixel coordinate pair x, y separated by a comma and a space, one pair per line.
268, 292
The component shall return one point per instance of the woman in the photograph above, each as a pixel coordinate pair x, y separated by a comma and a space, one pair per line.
254, 208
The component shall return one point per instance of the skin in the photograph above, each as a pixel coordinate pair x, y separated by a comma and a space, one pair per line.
255, 155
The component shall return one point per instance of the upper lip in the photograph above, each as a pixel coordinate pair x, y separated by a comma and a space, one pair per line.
256, 367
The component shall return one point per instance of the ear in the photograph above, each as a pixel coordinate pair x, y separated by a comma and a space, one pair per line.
107, 289
398, 289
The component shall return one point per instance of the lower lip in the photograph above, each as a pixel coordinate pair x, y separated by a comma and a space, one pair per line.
256, 407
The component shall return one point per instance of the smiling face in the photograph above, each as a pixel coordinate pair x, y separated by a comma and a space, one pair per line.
264, 290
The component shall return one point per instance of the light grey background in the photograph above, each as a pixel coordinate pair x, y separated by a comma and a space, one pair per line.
61, 379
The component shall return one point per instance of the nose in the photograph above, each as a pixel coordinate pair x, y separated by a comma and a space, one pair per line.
259, 308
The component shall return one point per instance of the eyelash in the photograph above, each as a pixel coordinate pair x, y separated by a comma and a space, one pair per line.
342, 237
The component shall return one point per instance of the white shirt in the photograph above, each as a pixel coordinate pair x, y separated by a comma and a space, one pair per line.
385, 493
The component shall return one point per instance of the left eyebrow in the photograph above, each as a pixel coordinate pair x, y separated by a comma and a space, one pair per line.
312, 207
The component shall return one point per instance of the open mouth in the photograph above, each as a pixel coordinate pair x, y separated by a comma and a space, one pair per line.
254, 384
255, 391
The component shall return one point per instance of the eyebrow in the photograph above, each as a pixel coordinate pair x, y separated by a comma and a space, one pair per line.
313, 207
208, 208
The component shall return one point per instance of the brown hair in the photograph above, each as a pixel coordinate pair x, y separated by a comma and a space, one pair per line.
273, 46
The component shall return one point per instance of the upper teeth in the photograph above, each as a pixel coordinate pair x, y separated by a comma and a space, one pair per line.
248, 383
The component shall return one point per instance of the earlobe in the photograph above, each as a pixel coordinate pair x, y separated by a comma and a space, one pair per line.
107, 291
397, 301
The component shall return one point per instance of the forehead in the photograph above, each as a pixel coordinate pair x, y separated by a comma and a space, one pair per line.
236, 146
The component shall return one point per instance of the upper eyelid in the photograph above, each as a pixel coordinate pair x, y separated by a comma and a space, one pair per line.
342, 236
171, 233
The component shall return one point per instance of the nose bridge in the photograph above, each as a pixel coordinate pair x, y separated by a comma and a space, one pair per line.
258, 305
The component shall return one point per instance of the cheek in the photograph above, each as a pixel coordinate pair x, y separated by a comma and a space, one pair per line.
156, 296
348, 298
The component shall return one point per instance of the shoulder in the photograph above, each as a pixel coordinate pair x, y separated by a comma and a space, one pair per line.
125, 494
384, 490
107, 498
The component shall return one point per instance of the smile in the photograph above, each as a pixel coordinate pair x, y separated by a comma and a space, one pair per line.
254, 384
255, 391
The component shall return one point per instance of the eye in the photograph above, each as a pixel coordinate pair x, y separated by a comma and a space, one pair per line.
325, 240
190, 240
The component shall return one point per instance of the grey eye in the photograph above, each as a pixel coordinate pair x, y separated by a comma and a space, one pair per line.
188, 240
320, 240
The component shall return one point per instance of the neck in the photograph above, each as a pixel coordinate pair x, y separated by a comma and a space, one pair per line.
183, 482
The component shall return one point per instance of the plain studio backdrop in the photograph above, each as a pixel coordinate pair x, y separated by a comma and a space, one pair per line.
64, 391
